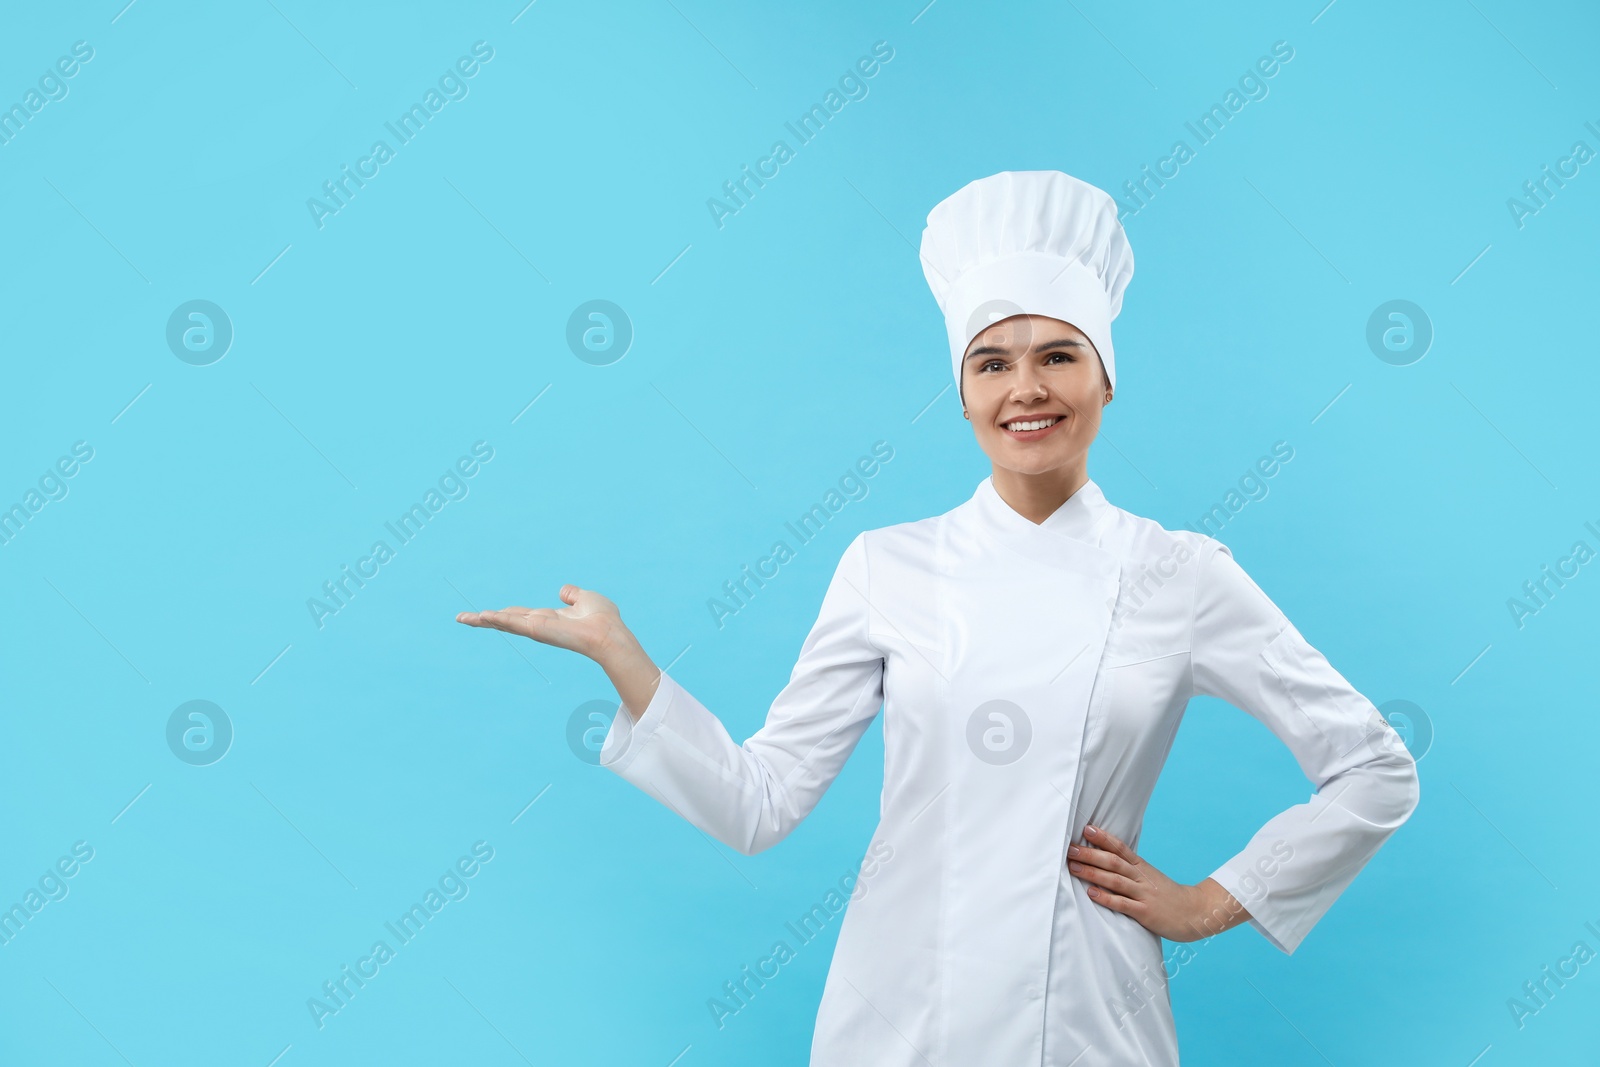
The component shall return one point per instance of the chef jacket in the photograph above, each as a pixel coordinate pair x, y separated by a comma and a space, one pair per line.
1032, 677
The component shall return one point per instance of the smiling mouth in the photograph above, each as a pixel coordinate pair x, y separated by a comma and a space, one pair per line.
1028, 427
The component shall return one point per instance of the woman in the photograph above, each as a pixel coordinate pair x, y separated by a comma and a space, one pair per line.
1033, 650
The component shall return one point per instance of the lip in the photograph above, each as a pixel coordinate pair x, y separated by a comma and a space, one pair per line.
1034, 435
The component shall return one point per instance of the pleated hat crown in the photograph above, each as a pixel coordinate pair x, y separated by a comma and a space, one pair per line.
1027, 242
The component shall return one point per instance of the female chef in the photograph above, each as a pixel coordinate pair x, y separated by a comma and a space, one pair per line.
1033, 650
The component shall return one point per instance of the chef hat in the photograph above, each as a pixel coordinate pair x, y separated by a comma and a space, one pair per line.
1029, 242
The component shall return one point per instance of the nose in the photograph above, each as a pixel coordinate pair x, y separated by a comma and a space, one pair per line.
1028, 385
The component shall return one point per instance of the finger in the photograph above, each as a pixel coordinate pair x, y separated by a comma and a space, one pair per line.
1116, 883
510, 620
1102, 839
1114, 901
482, 619
569, 594
477, 618
1099, 857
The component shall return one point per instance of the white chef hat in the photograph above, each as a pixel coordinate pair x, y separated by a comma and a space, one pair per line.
1028, 242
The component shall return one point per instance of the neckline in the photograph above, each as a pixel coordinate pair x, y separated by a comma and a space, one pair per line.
1078, 517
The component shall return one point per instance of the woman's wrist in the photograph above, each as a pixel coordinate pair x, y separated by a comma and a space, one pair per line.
616, 647
630, 669
1215, 909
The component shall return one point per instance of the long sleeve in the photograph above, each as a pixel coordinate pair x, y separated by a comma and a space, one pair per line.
751, 796
1246, 652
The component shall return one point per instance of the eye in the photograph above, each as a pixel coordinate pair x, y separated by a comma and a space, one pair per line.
991, 363
1068, 356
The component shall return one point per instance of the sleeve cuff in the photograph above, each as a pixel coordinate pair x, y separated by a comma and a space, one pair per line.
1264, 916
627, 738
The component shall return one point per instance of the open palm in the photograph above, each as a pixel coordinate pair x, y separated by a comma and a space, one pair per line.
586, 626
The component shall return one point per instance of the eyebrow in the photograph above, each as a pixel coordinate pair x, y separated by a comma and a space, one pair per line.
1043, 346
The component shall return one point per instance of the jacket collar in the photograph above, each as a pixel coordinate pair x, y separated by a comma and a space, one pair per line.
1079, 517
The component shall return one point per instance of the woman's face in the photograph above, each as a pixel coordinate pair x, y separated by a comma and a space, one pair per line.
1027, 369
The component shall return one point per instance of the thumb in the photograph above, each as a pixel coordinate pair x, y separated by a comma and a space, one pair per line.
569, 594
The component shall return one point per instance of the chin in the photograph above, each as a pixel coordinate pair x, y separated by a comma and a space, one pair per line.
1016, 459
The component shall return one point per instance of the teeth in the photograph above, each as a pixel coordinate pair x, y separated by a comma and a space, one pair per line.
1033, 424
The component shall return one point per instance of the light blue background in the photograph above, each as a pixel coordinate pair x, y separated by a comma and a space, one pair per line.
427, 314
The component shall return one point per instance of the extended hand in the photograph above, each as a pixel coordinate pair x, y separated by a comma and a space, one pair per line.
1118, 879
587, 627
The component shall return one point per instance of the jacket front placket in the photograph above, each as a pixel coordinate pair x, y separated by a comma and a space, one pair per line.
1029, 610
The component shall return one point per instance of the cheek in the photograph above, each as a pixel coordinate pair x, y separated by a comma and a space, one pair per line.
1088, 397
1085, 420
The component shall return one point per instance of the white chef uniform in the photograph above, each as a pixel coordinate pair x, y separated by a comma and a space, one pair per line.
974, 945
1031, 677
